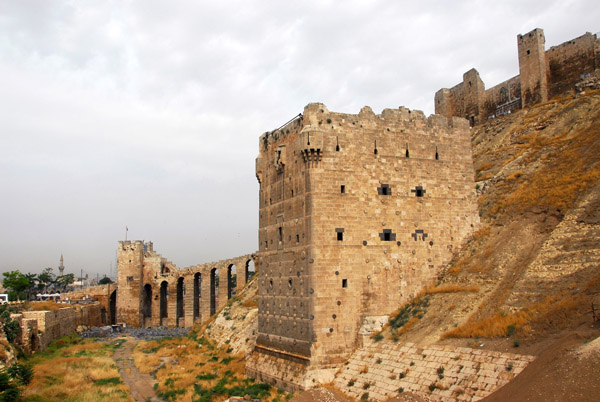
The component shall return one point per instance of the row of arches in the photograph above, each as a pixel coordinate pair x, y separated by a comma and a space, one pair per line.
194, 300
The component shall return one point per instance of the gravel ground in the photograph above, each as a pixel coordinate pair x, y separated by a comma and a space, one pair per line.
146, 334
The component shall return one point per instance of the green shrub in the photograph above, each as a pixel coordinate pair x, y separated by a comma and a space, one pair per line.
21, 372
107, 381
171, 395
206, 376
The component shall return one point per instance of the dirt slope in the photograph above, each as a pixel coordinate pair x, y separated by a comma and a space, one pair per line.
236, 324
536, 260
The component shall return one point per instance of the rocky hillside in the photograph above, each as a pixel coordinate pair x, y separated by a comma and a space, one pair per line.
527, 281
236, 324
535, 262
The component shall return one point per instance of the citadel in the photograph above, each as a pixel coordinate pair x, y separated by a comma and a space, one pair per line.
357, 214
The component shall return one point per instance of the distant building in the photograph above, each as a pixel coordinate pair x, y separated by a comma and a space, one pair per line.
543, 74
61, 267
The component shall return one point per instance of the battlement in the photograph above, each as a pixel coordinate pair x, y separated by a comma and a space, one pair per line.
317, 117
543, 74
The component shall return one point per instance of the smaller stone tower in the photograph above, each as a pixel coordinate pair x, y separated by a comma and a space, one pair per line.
61, 267
130, 262
532, 67
474, 90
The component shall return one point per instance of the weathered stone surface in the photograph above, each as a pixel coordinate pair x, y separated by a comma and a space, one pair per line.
543, 74
439, 373
153, 292
357, 214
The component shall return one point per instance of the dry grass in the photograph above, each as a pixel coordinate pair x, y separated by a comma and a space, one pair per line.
482, 233
76, 370
481, 177
44, 306
193, 362
573, 167
408, 326
496, 326
484, 166
449, 288
555, 312
514, 175
250, 303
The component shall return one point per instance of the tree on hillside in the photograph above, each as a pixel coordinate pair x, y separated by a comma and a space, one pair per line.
45, 279
64, 281
104, 281
17, 283
31, 278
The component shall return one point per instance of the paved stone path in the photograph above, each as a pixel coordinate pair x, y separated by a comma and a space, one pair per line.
141, 385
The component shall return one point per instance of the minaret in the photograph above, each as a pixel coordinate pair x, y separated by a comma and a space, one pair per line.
61, 267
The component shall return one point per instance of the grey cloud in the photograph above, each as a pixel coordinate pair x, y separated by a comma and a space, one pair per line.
147, 113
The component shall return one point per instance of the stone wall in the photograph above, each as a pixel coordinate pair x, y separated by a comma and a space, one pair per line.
100, 294
153, 291
532, 67
39, 328
440, 373
543, 74
466, 99
357, 214
504, 98
571, 62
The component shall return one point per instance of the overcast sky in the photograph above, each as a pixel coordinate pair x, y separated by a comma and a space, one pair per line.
147, 114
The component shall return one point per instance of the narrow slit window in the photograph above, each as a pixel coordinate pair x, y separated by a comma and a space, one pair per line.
280, 234
297, 238
344, 283
385, 189
343, 189
419, 191
387, 235
340, 234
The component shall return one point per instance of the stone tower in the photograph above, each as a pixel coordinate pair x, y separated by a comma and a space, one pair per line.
357, 214
130, 263
61, 267
532, 67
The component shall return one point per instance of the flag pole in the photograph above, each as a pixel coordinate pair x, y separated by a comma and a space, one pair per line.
126, 230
